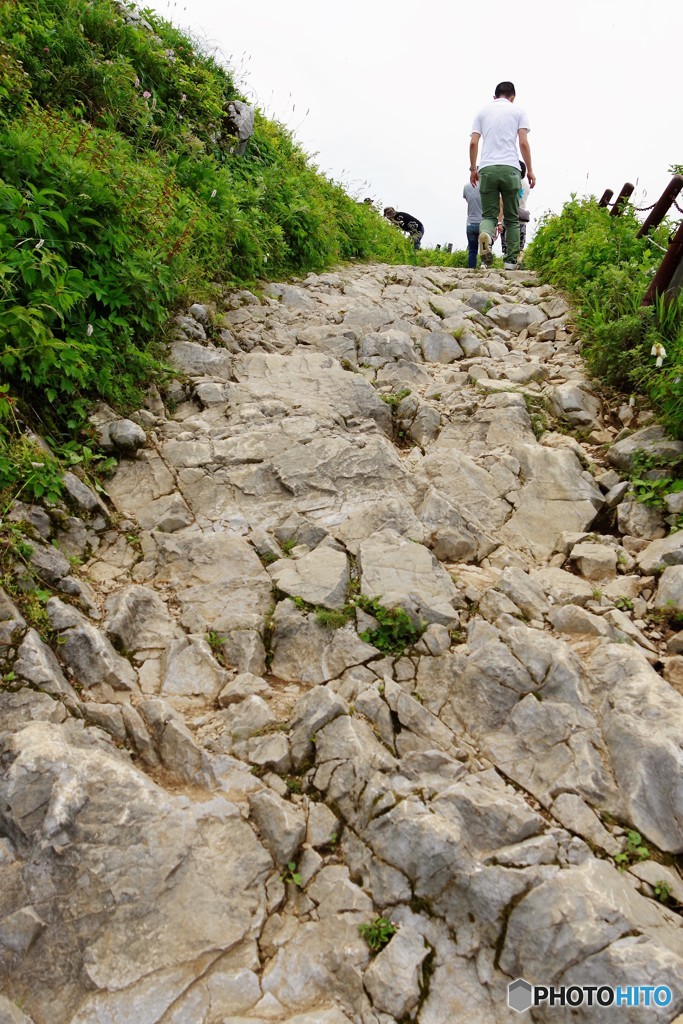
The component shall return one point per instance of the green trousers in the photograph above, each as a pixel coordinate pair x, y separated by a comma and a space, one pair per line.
505, 181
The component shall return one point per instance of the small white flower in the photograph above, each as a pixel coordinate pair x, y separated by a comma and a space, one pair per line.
659, 360
659, 351
40, 244
89, 330
215, 192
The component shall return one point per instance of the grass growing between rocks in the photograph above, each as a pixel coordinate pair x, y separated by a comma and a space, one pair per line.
121, 196
17, 578
394, 633
605, 269
537, 407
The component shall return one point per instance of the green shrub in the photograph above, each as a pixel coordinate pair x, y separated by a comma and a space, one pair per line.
395, 631
441, 258
605, 269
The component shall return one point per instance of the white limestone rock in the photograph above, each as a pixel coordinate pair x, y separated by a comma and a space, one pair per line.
595, 561
139, 857
515, 316
669, 596
650, 440
640, 720
400, 573
138, 619
308, 653
320, 577
638, 520
556, 497
217, 578
401, 959
574, 402
563, 587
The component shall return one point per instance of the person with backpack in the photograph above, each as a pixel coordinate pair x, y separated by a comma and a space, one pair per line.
502, 127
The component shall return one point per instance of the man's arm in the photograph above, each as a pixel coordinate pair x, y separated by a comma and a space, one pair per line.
525, 150
474, 150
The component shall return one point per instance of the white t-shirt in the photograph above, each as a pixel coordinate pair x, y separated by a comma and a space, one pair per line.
498, 124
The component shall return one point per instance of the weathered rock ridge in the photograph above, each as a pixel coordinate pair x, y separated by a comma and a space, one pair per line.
219, 761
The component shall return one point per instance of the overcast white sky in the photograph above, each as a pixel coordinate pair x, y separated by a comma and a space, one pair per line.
384, 91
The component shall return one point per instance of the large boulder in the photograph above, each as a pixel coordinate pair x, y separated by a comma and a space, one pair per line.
163, 883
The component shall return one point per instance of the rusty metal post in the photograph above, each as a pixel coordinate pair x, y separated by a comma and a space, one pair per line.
669, 277
661, 207
606, 196
620, 202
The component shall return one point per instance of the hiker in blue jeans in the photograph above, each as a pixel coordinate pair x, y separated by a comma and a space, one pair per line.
471, 194
502, 126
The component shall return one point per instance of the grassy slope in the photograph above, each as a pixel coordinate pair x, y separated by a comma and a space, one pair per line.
119, 198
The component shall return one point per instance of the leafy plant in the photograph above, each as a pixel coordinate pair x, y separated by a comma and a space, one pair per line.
653, 477
377, 934
662, 891
292, 875
624, 604
635, 851
395, 631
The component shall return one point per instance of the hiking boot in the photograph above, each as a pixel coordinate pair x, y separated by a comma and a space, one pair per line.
485, 249
510, 266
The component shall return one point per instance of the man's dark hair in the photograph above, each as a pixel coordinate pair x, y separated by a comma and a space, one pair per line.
506, 89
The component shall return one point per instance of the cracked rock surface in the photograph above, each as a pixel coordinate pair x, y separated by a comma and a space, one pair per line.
369, 626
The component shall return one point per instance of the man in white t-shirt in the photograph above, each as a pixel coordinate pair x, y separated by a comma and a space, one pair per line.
502, 126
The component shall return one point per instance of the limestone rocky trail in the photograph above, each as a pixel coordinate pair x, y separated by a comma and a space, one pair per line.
207, 788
